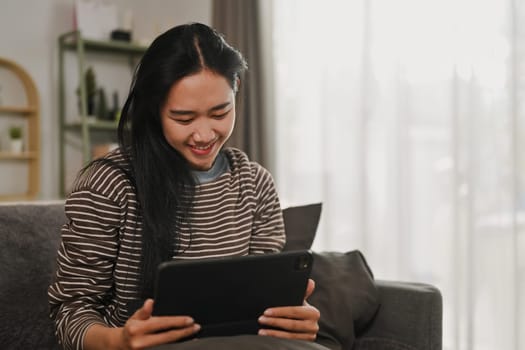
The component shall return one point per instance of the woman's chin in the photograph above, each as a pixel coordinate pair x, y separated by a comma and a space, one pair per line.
201, 164
201, 167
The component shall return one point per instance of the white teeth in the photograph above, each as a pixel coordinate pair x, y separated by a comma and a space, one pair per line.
202, 148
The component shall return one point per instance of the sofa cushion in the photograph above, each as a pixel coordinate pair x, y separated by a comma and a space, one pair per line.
345, 294
300, 223
30, 237
375, 343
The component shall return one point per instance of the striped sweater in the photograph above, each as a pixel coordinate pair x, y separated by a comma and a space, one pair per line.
98, 259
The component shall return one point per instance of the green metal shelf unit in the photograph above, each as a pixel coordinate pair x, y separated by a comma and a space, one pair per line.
74, 42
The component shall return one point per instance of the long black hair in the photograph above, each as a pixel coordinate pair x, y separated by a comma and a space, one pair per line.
161, 175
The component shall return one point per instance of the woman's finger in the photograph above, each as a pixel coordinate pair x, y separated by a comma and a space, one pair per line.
304, 312
158, 324
309, 288
290, 325
144, 312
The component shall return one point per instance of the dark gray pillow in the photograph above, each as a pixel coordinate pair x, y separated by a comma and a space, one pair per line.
300, 223
345, 294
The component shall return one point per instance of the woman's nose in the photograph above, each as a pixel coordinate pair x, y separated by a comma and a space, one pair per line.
203, 134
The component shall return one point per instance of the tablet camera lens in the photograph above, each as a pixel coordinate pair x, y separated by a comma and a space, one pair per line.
302, 263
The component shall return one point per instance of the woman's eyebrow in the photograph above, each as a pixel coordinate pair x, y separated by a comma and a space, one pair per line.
219, 107
181, 112
188, 112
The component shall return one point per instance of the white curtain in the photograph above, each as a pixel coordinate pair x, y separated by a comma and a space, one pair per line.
405, 118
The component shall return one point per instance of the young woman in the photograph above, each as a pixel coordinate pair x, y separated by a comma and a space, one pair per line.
171, 191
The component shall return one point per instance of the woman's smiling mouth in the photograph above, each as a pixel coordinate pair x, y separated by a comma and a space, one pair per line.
203, 150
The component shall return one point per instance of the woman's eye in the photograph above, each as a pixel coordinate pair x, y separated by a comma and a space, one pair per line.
183, 121
220, 116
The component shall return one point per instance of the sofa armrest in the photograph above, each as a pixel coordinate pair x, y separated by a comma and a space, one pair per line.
410, 317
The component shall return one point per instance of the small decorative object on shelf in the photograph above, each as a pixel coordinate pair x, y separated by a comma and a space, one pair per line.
115, 111
91, 91
121, 34
102, 106
15, 139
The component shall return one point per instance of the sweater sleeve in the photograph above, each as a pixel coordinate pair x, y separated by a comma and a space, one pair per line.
86, 259
268, 226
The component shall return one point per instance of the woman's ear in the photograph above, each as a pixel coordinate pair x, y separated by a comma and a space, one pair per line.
236, 85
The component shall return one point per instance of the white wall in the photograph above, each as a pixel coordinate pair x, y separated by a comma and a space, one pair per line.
28, 35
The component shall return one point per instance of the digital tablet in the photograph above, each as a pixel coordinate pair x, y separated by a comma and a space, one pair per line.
226, 296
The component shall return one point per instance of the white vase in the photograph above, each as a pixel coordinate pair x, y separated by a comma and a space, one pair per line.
17, 145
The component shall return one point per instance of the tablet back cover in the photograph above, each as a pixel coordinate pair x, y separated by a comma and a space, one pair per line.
226, 296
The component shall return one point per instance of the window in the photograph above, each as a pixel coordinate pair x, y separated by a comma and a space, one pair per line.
404, 118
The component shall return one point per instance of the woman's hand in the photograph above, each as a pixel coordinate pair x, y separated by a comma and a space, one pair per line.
294, 322
141, 331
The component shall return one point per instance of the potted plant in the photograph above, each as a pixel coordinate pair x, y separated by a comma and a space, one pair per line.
15, 138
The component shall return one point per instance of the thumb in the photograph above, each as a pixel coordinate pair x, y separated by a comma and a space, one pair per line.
145, 311
309, 288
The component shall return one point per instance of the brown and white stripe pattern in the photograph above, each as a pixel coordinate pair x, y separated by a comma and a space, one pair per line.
98, 260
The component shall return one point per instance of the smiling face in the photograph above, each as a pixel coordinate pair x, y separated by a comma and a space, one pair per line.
198, 117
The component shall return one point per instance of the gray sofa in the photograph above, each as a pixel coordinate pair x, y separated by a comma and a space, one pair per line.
409, 316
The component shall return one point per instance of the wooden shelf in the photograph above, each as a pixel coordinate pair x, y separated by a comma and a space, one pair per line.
69, 41
16, 197
80, 126
18, 156
31, 156
25, 111
95, 125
